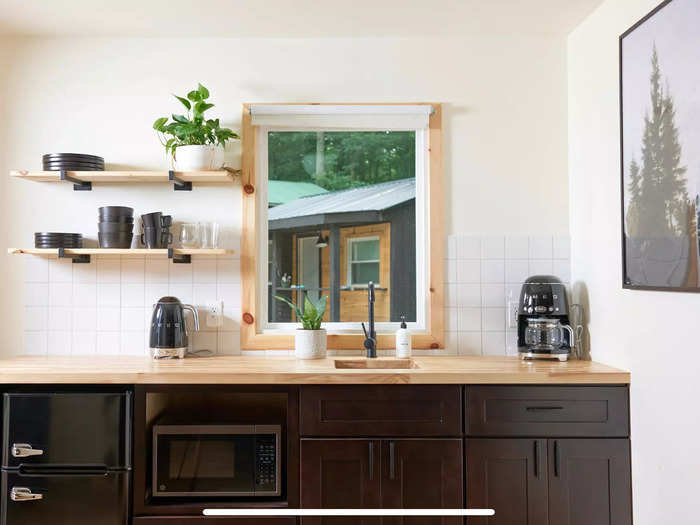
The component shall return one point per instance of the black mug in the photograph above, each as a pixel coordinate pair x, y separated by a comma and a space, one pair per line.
166, 237
152, 220
152, 237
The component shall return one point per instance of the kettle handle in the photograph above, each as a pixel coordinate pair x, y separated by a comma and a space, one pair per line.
571, 334
195, 315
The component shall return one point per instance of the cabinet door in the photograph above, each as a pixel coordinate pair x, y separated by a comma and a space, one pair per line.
590, 482
340, 473
509, 476
422, 474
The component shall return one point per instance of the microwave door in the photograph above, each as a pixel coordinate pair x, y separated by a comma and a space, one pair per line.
205, 465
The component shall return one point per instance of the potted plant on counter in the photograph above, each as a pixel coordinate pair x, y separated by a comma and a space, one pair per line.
310, 340
193, 142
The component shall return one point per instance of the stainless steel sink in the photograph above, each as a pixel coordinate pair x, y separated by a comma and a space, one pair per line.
373, 364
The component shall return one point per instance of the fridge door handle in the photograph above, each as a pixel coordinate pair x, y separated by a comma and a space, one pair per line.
24, 494
23, 450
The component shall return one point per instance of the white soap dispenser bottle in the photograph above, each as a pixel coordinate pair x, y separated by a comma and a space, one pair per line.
403, 340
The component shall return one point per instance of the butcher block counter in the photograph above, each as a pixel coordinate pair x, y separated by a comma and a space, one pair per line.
250, 369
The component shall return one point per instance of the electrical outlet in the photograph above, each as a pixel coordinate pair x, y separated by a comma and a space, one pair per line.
215, 314
513, 314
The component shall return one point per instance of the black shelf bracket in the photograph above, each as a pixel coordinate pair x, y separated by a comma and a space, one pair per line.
78, 185
82, 258
179, 184
179, 258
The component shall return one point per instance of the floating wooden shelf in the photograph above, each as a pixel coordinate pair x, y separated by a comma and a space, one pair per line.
117, 251
227, 175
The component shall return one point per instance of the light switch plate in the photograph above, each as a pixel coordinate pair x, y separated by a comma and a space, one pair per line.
215, 314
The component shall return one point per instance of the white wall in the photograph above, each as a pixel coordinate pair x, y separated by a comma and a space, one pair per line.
505, 122
654, 335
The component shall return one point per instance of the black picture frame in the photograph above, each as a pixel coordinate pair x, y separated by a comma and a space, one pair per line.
626, 282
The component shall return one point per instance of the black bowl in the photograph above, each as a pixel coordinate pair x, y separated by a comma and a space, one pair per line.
115, 227
115, 240
73, 156
115, 211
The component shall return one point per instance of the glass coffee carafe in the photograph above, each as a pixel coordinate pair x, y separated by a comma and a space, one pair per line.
546, 334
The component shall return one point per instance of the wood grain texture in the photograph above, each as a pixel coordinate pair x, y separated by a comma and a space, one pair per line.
119, 251
287, 370
220, 176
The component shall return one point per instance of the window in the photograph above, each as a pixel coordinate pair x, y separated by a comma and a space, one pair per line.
363, 261
336, 196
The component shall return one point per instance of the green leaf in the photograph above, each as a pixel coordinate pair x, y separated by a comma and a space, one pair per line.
204, 92
181, 118
310, 312
184, 101
294, 307
201, 107
194, 96
160, 123
321, 306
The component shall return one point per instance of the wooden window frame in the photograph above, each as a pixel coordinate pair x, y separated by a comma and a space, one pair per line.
433, 337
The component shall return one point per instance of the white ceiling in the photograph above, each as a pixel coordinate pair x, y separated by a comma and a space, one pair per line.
290, 18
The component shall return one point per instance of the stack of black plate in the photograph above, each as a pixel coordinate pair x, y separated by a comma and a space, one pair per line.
116, 226
72, 162
58, 240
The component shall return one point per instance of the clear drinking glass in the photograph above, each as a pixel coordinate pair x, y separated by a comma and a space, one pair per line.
190, 235
210, 234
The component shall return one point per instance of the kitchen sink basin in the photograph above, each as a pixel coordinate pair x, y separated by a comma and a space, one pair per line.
373, 364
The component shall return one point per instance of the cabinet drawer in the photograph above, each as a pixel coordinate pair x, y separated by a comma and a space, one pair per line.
547, 411
378, 410
214, 520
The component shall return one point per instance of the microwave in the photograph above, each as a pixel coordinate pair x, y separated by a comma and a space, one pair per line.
216, 460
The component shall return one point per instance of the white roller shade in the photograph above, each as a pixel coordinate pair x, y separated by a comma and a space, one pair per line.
361, 116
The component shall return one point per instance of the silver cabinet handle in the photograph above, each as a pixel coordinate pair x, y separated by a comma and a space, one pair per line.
23, 450
24, 494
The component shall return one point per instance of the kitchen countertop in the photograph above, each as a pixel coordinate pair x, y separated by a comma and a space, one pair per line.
287, 370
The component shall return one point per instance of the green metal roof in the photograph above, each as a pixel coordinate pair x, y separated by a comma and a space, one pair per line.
284, 191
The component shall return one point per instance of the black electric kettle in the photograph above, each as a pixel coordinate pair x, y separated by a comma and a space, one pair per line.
169, 328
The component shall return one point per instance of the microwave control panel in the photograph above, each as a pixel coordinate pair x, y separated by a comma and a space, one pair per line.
266, 463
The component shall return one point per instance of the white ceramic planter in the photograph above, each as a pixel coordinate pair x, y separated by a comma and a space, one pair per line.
198, 158
310, 344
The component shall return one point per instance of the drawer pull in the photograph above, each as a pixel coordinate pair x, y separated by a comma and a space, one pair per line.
392, 460
556, 458
23, 450
536, 409
371, 460
537, 458
24, 494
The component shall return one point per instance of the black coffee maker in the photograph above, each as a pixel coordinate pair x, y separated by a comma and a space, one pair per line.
169, 328
544, 331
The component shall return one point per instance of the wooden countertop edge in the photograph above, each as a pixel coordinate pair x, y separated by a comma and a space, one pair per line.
266, 370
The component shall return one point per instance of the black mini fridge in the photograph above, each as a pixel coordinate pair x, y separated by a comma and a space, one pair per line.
66, 458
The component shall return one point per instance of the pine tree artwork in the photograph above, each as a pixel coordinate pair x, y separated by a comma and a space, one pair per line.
660, 218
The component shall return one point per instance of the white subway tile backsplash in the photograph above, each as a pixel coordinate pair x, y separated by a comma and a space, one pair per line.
469, 319
36, 294
85, 272
108, 270
60, 294
109, 319
132, 295
469, 271
84, 319
84, 343
517, 247
493, 247
517, 270
108, 343
230, 294
36, 270
541, 267
204, 271
36, 318
541, 247
60, 342
60, 318
182, 291
156, 271
205, 294
493, 271
562, 247
108, 294
133, 319
60, 270
35, 343
494, 343
468, 295
85, 294
229, 343
180, 273
154, 292
133, 343
469, 247
484, 274
205, 341
133, 270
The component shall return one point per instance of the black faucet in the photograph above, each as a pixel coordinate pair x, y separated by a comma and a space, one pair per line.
371, 335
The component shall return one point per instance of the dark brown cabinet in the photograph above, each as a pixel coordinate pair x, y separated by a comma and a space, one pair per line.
366, 473
555, 481
589, 482
209, 520
509, 476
